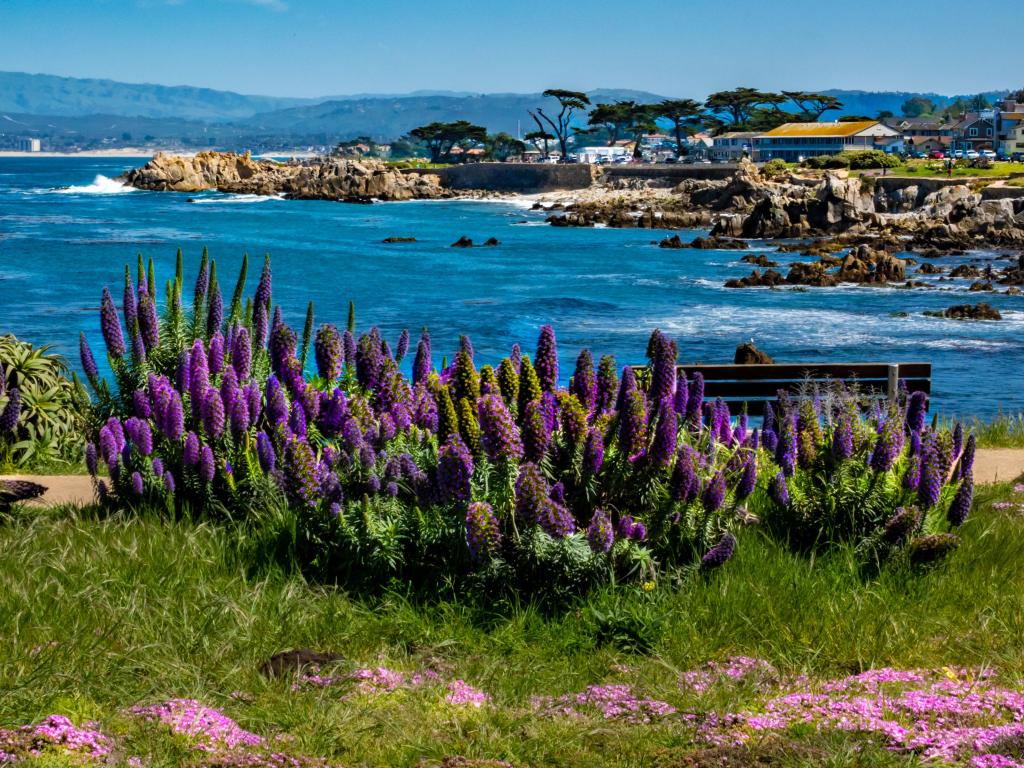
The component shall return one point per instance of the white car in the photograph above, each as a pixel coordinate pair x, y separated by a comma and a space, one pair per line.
958, 154
971, 155
988, 154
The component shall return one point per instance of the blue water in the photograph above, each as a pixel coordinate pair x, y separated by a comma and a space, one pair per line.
602, 288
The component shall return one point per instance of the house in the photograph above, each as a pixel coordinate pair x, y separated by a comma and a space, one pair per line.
733, 146
794, 142
922, 134
29, 145
975, 131
1011, 127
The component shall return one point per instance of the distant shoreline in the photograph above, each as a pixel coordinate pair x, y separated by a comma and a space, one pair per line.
89, 153
136, 152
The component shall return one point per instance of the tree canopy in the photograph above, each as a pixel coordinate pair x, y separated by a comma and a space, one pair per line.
916, 106
441, 138
685, 116
569, 103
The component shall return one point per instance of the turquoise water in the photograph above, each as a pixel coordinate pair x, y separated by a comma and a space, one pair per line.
602, 288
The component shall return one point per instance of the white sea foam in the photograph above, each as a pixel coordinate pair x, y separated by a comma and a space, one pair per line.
101, 185
234, 199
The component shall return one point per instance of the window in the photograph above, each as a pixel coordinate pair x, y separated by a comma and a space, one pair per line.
973, 132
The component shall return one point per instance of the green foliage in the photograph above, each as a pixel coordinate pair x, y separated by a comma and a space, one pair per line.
872, 158
774, 168
52, 401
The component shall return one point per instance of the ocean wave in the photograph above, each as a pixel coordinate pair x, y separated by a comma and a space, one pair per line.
101, 185
232, 199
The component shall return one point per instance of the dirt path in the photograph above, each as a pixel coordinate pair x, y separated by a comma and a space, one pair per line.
990, 465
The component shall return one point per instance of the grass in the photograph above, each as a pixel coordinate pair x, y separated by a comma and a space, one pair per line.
101, 614
1003, 431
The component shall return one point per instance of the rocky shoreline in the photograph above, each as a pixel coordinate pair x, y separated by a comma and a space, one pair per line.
344, 180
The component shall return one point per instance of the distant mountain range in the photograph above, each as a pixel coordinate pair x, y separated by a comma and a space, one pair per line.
68, 111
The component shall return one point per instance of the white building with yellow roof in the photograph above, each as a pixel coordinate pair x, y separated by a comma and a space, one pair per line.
794, 142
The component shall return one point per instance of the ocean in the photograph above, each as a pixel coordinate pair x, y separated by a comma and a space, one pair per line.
67, 229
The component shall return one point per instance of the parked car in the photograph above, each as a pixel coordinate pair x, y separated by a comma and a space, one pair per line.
971, 154
1017, 157
958, 154
988, 153
937, 154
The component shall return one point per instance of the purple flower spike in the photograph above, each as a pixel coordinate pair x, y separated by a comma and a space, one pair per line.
930, 485
241, 353
714, 493
584, 380
967, 460
665, 435
593, 452
329, 352
216, 355
207, 465
888, 446
917, 411
137, 487
779, 490
785, 451
499, 434
89, 367
719, 554
748, 480
402, 348
633, 424
149, 327
454, 470
421, 363
190, 453
842, 438
239, 418
695, 400
600, 532
483, 537
213, 414
961, 505
607, 385
91, 459
110, 325
265, 452
663, 368
12, 411
546, 362
683, 484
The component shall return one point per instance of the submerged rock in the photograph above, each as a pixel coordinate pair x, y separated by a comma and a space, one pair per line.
463, 242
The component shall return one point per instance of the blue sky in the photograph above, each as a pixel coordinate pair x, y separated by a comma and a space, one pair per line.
671, 47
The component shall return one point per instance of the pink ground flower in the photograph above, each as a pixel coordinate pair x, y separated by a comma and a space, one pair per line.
54, 733
613, 702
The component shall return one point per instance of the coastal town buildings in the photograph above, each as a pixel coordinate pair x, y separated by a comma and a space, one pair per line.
733, 146
794, 142
975, 131
922, 135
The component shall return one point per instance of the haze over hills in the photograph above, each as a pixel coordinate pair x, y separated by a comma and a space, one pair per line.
79, 112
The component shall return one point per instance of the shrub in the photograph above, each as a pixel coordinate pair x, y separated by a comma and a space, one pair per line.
827, 161
872, 158
499, 482
40, 406
774, 168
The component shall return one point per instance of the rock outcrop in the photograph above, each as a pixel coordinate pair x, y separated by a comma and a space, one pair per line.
747, 353
321, 179
982, 311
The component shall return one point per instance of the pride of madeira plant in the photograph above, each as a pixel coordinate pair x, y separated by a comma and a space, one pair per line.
497, 477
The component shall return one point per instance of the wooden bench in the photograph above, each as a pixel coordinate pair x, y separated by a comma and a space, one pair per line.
751, 386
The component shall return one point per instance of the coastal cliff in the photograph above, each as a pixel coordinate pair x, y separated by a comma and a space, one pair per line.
320, 179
